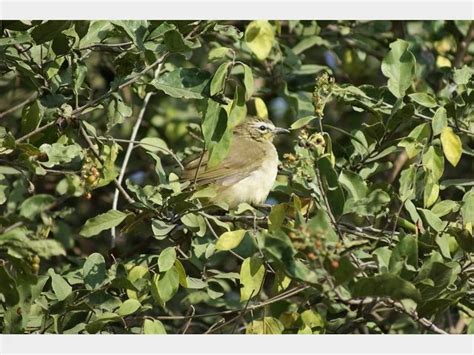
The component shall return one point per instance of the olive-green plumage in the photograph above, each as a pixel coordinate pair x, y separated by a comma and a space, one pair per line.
249, 170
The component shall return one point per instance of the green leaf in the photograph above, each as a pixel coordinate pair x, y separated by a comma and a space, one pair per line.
97, 32
104, 221
353, 183
252, 273
302, 122
160, 228
218, 79
452, 146
48, 30
440, 121
385, 285
442, 208
176, 43
261, 108
248, 81
94, 271
434, 221
330, 180
60, 286
399, 67
31, 117
167, 284
59, 153
463, 75
268, 325
218, 53
230, 240
186, 83
423, 99
433, 162
153, 326
210, 120
117, 111
134, 29
259, 37
467, 208
36, 204
167, 259
8, 288
154, 144
130, 306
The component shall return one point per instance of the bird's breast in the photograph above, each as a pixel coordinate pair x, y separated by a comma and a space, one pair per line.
255, 187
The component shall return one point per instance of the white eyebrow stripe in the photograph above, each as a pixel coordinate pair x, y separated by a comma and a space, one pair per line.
266, 124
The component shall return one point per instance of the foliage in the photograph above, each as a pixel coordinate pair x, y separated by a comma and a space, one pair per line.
369, 227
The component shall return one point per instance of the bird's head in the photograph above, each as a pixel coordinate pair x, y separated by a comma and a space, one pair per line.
258, 129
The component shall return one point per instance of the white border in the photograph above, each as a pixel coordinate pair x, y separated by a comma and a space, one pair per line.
238, 9
237, 344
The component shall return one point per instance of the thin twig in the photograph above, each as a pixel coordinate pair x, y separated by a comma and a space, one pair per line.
167, 151
462, 49
31, 98
128, 153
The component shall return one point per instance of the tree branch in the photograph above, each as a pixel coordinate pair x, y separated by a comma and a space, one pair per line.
128, 153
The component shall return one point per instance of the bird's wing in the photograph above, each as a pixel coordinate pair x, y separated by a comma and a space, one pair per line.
233, 168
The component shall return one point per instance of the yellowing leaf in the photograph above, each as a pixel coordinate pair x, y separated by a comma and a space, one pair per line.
251, 278
261, 108
259, 37
452, 146
230, 240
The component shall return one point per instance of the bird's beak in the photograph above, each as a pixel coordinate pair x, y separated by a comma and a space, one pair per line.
279, 130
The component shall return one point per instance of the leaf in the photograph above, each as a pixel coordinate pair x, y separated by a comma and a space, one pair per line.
433, 162
167, 259
60, 286
59, 153
94, 271
130, 306
268, 325
160, 228
261, 108
104, 221
452, 146
423, 99
98, 31
153, 326
399, 67
117, 111
353, 183
259, 37
48, 30
385, 285
248, 81
167, 284
218, 53
467, 208
31, 117
302, 122
154, 144
440, 121
210, 120
176, 43
36, 204
252, 273
218, 79
463, 75
8, 288
134, 29
186, 83
230, 240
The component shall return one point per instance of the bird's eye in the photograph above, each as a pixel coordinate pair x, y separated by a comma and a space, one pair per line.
262, 128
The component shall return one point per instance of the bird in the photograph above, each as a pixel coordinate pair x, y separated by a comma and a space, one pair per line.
249, 170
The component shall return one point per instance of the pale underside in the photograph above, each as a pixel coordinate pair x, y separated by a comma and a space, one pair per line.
242, 176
